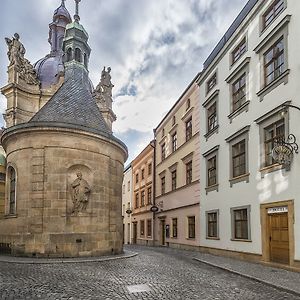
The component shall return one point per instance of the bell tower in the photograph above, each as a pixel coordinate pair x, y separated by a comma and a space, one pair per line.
75, 44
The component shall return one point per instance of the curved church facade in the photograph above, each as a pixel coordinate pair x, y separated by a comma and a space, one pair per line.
64, 167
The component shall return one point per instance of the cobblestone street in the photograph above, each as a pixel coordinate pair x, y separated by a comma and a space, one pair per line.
155, 273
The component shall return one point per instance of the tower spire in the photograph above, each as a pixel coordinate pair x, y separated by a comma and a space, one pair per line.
63, 3
76, 16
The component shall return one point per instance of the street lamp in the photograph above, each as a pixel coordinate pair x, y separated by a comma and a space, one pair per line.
284, 150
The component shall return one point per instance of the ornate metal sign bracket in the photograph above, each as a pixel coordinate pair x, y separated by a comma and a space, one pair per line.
283, 151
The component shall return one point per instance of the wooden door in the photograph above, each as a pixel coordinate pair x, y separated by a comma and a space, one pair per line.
279, 238
163, 239
134, 238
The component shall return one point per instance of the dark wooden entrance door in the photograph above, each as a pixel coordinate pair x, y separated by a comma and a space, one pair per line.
279, 238
134, 233
162, 230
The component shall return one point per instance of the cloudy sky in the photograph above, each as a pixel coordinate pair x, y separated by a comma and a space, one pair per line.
154, 47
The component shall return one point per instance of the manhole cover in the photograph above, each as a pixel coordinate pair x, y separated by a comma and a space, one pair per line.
139, 288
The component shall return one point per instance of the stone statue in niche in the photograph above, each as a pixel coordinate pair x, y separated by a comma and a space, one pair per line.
16, 52
104, 88
80, 194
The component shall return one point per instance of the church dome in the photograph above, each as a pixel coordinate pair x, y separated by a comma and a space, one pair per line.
51, 66
62, 12
48, 69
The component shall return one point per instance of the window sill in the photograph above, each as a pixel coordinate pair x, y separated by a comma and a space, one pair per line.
212, 238
244, 177
211, 188
241, 240
283, 78
173, 237
191, 239
10, 216
242, 108
211, 132
270, 169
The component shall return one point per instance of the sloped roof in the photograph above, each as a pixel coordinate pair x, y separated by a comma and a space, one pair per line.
73, 104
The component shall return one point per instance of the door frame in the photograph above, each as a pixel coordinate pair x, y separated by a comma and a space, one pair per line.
265, 232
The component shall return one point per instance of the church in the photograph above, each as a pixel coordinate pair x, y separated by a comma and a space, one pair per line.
64, 166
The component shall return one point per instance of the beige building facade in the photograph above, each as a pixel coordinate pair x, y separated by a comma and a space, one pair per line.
177, 171
142, 197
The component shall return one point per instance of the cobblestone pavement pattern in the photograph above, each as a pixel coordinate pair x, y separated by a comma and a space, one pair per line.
162, 273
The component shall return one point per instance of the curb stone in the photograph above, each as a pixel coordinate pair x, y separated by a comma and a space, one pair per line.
18, 260
279, 287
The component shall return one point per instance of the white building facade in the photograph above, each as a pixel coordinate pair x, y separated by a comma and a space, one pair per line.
250, 204
127, 204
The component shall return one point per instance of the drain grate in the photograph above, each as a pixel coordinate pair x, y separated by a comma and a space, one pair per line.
139, 288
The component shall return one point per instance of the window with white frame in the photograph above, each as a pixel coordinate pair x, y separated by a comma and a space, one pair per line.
238, 151
212, 226
211, 158
240, 220
273, 126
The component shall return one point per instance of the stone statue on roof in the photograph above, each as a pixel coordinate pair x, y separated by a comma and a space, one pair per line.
105, 86
16, 52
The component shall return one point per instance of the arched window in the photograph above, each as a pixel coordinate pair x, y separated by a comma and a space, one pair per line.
85, 60
69, 54
12, 191
78, 54
60, 42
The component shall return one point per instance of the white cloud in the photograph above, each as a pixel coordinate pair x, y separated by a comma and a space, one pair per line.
155, 48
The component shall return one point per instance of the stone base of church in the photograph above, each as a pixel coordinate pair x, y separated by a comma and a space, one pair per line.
60, 245
47, 162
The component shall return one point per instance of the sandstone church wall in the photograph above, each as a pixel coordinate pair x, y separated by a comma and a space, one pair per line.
45, 223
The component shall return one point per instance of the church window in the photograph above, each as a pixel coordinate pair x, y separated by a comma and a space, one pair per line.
85, 60
69, 54
12, 191
78, 54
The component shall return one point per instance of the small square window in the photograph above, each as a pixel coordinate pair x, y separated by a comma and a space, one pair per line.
143, 174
